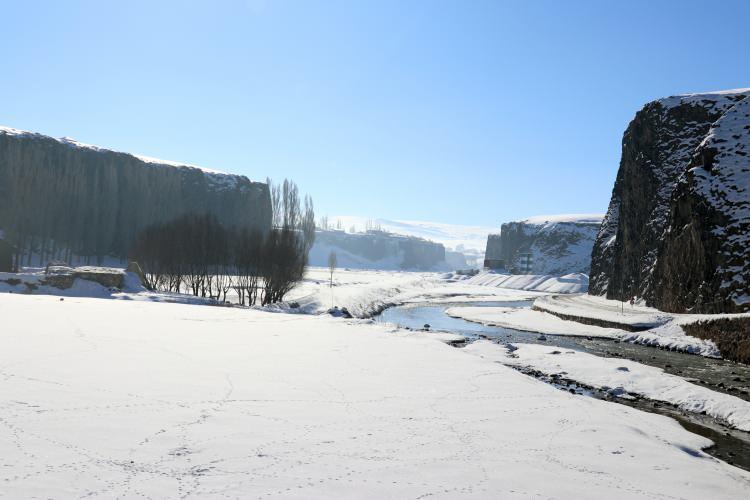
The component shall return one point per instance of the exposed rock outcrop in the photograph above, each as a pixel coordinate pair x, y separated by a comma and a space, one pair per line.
555, 245
63, 277
58, 196
676, 232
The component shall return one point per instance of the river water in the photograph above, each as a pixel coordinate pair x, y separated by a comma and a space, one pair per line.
731, 445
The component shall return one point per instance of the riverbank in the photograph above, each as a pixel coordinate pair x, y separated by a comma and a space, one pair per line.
729, 333
707, 396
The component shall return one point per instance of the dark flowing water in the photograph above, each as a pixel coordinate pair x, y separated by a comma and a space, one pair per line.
731, 445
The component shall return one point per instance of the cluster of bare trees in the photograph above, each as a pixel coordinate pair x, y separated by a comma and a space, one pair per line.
196, 254
326, 225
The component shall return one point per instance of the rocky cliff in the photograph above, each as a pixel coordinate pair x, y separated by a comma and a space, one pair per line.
60, 198
676, 231
378, 250
554, 245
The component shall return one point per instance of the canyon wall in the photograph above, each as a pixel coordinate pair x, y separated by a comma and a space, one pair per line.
60, 198
378, 250
556, 245
677, 229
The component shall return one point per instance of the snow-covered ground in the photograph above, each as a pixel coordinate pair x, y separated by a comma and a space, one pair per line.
621, 377
362, 292
31, 282
108, 399
365, 293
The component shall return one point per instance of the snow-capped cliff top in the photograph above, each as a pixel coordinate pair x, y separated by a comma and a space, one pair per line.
574, 218
146, 159
718, 92
731, 95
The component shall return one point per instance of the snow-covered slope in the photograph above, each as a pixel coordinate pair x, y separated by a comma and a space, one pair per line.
557, 244
569, 283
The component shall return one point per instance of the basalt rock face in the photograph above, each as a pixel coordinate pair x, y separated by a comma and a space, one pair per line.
554, 245
59, 197
676, 232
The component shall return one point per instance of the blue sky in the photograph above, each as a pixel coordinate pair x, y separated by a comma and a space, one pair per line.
467, 112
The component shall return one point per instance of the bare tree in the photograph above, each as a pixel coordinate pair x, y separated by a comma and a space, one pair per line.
277, 214
332, 262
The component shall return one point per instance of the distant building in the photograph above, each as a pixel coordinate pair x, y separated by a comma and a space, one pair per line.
524, 263
494, 264
492, 258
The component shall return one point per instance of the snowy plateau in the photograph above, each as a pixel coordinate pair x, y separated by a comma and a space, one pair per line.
136, 395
